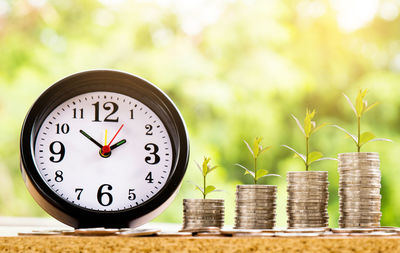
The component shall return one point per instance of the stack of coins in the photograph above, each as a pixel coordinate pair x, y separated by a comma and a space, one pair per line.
202, 213
307, 199
255, 206
359, 190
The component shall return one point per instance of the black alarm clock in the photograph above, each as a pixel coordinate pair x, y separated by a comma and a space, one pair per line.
103, 148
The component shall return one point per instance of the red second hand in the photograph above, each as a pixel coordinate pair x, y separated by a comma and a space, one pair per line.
106, 149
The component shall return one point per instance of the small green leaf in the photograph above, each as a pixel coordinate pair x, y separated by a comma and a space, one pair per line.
205, 165
209, 189
313, 156
264, 149
307, 122
351, 104
354, 138
199, 167
211, 169
247, 171
260, 173
371, 106
271, 175
303, 157
366, 137
256, 147
248, 146
299, 125
360, 103
197, 187
319, 127
326, 158
381, 139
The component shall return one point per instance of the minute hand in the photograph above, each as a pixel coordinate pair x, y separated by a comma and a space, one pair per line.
118, 144
90, 138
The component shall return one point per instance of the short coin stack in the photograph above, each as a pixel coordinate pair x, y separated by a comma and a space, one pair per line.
359, 190
307, 199
255, 206
203, 213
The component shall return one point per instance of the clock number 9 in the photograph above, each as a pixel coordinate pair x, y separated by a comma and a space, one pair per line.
101, 194
153, 148
60, 152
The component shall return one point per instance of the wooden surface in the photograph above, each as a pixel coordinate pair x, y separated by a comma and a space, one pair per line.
10, 242
196, 244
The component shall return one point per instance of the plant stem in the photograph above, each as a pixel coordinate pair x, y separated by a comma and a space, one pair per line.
306, 153
204, 187
359, 133
255, 170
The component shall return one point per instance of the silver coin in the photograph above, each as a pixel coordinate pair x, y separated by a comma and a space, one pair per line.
200, 229
253, 224
254, 210
203, 212
358, 154
39, 233
352, 225
260, 219
200, 207
96, 231
203, 201
271, 211
256, 186
254, 204
174, 234
138, 232
352, 230
305, 230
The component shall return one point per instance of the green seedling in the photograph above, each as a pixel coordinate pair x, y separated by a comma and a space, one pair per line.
205, 169
256, 151
361, 107
308, 129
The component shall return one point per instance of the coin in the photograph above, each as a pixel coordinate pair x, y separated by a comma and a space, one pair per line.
95, 231
39, 233
138, 232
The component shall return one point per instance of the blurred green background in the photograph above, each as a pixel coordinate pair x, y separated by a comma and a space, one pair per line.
235, 69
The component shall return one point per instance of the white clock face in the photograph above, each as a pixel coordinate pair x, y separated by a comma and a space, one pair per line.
81, 161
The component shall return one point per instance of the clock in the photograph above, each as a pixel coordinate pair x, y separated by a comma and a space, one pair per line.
103, 148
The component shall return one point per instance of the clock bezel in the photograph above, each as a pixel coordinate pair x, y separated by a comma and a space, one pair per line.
111, 81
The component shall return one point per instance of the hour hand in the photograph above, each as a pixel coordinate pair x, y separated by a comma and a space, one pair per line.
90, 138
118, 144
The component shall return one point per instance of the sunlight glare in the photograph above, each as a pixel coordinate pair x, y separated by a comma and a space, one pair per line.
354, 14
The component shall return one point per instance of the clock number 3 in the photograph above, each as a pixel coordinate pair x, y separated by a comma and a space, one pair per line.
153, 158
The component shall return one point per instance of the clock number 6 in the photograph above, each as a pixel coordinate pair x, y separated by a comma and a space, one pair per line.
153, 148
101, 194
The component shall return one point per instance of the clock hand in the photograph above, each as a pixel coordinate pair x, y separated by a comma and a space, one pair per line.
106, 148
90, 138
118, 144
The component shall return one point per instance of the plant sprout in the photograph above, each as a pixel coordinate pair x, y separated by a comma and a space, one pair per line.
308, 130
359, 110
256, 151
205, 169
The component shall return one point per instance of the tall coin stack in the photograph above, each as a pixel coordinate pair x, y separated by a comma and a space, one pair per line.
255, 206
359, 190
307, 201
203, 213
